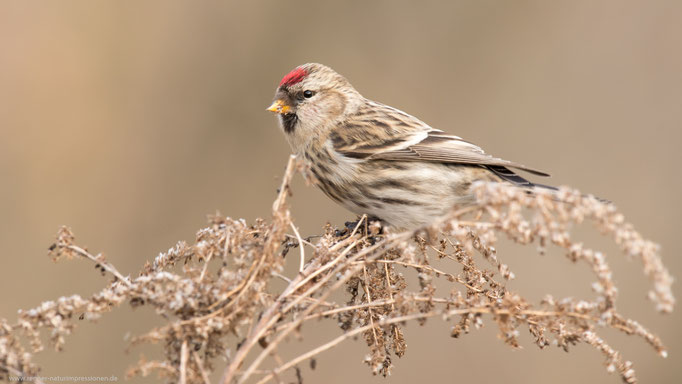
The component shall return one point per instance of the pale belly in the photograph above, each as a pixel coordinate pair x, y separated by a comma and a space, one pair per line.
406, 194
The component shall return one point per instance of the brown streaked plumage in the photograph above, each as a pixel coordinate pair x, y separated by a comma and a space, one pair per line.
378, 160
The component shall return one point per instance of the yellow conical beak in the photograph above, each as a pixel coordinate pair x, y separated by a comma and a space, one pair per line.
279, 107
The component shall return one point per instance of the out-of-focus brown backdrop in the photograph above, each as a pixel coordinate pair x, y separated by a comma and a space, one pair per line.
130, 121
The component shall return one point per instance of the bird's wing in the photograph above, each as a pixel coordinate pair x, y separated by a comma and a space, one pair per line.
390, 134
440, 147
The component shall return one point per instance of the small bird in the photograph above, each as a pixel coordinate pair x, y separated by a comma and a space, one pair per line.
377, 160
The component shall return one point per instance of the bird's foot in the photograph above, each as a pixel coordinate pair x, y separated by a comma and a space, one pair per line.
362, 225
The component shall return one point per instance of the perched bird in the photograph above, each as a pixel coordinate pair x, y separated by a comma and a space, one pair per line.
377, 160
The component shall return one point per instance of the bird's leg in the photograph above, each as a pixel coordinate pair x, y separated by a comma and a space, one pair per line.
349, 226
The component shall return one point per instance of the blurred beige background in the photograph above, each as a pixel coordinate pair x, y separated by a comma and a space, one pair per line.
130, 121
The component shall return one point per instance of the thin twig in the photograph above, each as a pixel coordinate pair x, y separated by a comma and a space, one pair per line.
206, 263
184, 355
279, 275
369, 309
284, 187
306, 242
202, 370
108, 267
300, 245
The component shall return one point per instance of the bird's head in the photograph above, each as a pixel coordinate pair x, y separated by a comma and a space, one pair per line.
311, 99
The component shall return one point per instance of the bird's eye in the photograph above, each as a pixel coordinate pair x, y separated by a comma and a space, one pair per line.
308, 94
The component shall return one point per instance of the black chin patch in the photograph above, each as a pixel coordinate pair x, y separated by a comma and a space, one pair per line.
289, 121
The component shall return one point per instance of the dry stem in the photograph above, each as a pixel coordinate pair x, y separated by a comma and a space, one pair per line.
202, 308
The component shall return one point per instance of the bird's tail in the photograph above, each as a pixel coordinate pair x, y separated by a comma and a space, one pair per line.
506, 174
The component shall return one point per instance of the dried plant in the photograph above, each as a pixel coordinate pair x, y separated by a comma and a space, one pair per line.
221, 303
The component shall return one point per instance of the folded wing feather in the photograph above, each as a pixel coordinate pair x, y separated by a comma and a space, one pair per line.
407, 138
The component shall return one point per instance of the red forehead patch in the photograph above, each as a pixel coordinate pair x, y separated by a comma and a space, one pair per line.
293, 77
